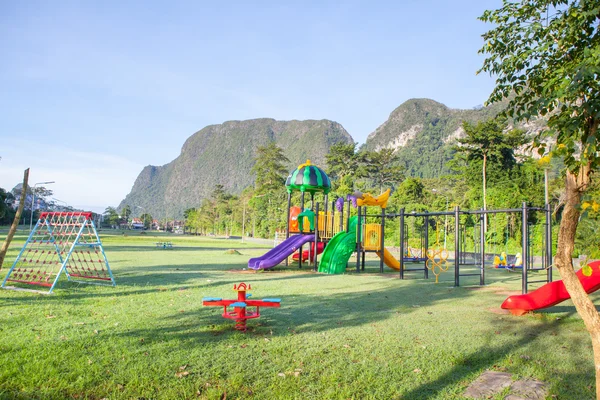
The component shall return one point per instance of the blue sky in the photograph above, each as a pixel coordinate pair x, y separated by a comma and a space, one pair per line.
90, 92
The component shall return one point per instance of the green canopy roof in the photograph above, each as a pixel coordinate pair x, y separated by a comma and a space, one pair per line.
308, 178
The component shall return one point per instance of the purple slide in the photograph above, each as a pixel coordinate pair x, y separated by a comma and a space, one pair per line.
279, 253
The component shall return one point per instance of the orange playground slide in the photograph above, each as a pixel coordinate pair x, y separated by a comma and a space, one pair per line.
389, 260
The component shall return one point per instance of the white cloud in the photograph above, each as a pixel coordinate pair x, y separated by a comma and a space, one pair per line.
83, 178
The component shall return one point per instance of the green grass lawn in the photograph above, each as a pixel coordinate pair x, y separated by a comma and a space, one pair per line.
346, 336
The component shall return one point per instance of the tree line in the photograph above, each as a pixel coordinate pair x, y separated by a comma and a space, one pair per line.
490, 166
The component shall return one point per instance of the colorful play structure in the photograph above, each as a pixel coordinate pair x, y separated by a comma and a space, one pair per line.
341, 234
60, 242
305, 225
501, 261
240, 310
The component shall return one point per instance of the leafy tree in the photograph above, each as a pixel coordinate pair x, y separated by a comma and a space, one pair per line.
146, 220
488, 142
545, 55
111, 216
412, 189
126, 213
269, 196
383, 167
188, 212
5, 209
269, 168
344, 166
218, 193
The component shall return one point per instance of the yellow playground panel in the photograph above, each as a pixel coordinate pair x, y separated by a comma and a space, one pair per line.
372, 239
329, 224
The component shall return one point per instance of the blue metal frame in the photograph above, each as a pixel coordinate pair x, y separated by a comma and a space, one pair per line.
103, 254
64, 264
54, 241
20, 253
65, 260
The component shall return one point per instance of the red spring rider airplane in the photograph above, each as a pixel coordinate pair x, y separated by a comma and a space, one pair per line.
240, 313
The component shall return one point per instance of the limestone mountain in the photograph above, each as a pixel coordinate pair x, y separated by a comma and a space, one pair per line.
224, 154
423, 132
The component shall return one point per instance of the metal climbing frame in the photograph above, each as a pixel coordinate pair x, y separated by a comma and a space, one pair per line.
61, 242
528, 266
479, 231
468, 257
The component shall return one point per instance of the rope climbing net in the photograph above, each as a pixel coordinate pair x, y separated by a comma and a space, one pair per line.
61, 241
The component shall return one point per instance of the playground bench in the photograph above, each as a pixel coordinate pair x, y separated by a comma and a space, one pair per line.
164, 245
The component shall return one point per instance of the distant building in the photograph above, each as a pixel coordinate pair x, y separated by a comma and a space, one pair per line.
137, 223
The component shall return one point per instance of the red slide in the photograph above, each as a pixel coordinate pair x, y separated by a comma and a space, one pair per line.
320, 248
551, 293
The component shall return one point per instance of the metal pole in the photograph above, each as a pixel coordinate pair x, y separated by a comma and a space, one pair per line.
524, 245
402, 243
315, 251
549, 242
482, 230
325, 209
382, 240
446, 224
456, 246
332, 218
426, 248
358, 238
287, 223
347, 217
546, 196
301, 233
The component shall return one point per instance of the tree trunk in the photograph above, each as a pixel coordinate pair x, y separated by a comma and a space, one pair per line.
575, 185
13, 227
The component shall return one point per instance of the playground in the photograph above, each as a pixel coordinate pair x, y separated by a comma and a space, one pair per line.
360, 334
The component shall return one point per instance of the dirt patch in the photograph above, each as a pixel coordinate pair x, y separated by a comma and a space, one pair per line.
233, 251
491, 383
270, 272
494, 289
488, 384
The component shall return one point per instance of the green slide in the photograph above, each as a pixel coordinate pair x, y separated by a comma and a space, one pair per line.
338, 251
